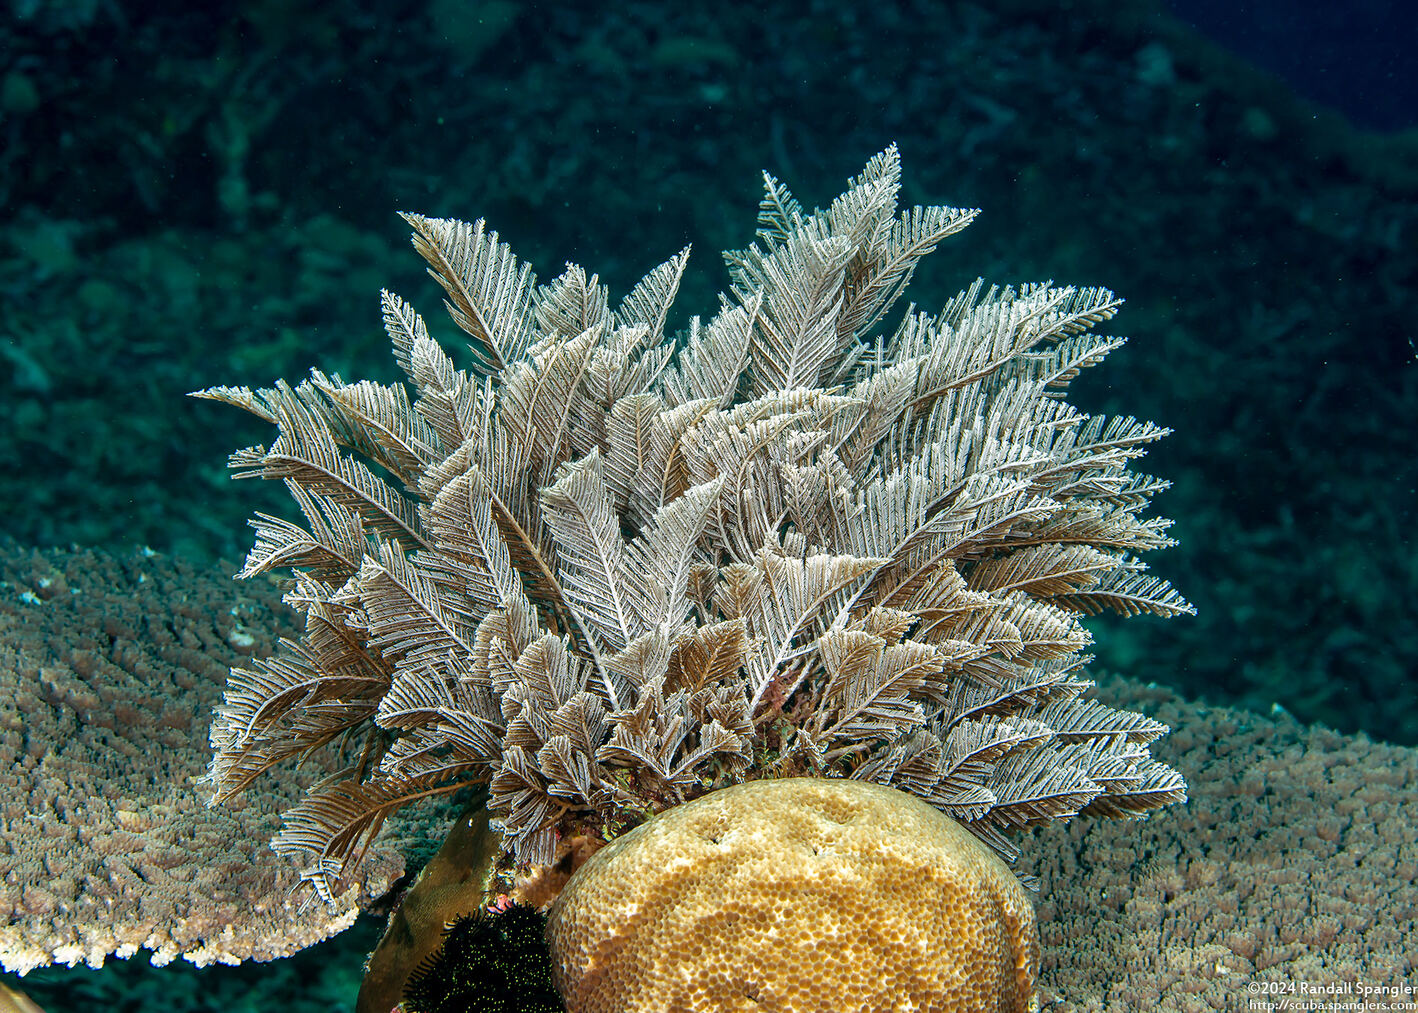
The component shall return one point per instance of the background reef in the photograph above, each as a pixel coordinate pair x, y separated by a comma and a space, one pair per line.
208, 195
211, 194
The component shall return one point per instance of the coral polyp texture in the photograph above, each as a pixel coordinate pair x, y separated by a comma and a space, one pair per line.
776, 895
110, 667
605, 569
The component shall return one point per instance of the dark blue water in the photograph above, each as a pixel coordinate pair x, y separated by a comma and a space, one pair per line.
1357, 57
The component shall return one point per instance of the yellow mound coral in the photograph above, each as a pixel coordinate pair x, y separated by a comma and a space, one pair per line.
799, 895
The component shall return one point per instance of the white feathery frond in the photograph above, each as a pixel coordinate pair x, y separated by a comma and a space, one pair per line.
577, 510
655, 566
489, 294
796, 328
649, 301
572, 304
714, 356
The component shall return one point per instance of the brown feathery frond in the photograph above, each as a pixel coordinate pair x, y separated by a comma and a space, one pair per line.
869, 688
307, 453
336, 821
1042, 571
1156, 786
783, 600
284, 706
972, 748
407, 616
1075, 720
710, 656
470, 558
331, 550
393, 434
445, 716
1036, 786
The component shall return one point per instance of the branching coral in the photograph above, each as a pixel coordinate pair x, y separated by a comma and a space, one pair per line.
606, 571
109, 668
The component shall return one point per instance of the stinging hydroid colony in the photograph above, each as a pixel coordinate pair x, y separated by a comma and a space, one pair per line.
604, 569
